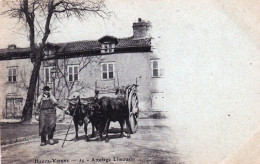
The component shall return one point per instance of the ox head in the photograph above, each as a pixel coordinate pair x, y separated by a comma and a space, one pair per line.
91, 107
73, 104
120, 91
71, 108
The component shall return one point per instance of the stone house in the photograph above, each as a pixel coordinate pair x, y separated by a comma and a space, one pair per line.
77, 68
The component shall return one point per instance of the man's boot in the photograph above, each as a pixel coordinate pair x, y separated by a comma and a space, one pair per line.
43, 140
50, 137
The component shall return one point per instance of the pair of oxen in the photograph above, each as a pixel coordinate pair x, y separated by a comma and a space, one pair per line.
99, 112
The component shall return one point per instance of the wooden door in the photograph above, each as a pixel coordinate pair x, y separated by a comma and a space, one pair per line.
14, 107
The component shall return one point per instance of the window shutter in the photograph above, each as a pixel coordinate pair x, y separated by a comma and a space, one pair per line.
76, 73
9, 72
69, 73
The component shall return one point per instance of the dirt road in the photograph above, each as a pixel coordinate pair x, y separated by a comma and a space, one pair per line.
151, 144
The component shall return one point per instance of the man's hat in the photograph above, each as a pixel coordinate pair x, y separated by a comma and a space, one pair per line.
46, 88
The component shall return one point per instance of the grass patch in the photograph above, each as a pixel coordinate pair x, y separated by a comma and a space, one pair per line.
152, 115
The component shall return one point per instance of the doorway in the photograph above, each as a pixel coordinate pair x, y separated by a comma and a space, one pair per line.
14, 107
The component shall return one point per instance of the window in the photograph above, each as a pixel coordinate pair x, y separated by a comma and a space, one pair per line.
108, 70
48, 52
158, 101
12, 74
157, 71
107, 48
47, 75
73, 72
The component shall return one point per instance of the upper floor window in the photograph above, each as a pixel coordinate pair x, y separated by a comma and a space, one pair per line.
48, 52
157, 70
107, 47
47, 75
108, 70
12, 74
73, 72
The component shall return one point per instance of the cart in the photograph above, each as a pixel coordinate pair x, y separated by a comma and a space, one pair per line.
132, 100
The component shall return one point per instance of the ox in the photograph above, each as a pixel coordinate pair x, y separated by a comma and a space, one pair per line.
111, 109
78, 109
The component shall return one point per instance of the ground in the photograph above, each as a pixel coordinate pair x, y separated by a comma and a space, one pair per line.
151, 144
248, 153
15, 130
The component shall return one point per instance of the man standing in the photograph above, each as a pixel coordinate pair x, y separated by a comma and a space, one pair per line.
47, 120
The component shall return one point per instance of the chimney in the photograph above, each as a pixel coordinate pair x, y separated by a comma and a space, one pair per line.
142, 29
12, 46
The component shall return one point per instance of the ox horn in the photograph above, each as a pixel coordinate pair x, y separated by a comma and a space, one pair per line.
73, 103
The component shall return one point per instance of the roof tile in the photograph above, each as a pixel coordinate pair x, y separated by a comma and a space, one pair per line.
82, 46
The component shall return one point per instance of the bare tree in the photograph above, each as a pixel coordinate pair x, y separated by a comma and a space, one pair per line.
66, 88
38, 16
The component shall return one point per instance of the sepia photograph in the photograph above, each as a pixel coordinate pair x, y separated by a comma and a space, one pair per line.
130, 82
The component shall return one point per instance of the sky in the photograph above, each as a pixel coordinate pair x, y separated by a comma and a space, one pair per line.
162, 13
211, 57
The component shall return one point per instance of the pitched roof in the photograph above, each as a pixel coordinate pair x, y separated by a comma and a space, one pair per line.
16, 50
132, 42
81, 47
17, 53
88, 45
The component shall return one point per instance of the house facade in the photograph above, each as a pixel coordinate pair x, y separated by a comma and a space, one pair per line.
78, 68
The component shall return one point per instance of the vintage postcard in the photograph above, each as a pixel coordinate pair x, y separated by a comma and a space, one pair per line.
130, 82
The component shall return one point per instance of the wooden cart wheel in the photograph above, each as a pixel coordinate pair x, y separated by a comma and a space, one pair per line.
133, 112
